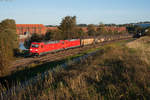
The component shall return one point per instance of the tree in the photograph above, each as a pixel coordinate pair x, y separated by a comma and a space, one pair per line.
8, 43
81, 33
53, 35
68, 27
56, 35
133, 29
91, 30
82, 25
49, 35
34, 38
101, 30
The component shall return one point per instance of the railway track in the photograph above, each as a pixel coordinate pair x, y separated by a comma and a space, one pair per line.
47, 58
25, 62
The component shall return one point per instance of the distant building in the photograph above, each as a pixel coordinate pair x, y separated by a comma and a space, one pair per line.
23, 29
108, 28
26, 30
114, 28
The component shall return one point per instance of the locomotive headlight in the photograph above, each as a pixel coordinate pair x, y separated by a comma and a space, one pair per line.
30, 49
36, 50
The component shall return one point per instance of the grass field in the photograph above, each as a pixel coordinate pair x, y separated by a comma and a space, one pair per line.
118, 71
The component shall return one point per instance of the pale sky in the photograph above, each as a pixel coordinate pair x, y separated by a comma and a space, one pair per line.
51, 12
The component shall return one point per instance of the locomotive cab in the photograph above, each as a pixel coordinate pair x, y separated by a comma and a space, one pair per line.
36, 48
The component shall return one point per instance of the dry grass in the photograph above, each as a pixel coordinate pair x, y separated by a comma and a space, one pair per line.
116, 72
142, 45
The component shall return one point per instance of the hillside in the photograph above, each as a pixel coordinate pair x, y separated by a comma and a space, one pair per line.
117, 71
142, 45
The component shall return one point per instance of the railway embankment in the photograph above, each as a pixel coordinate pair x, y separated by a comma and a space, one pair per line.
27, 68
76, 59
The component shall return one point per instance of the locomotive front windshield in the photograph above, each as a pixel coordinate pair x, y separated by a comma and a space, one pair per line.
34, 45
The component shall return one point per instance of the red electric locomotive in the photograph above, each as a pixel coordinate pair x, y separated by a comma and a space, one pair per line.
39, 48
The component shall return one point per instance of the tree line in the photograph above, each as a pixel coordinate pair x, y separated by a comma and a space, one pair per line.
68, 29
8, 43
135, 29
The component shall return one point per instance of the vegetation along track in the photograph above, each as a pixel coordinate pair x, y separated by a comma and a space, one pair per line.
54, 56
60, 55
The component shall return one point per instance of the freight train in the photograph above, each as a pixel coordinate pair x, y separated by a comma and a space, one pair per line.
40, 48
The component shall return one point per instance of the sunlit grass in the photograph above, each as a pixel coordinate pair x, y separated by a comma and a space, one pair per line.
115, 72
